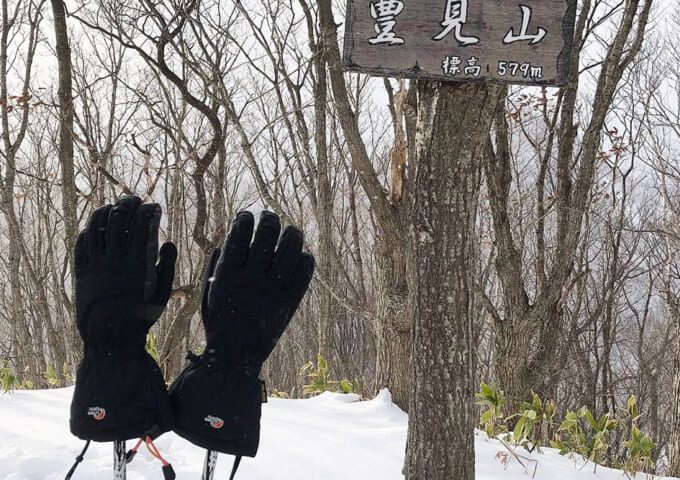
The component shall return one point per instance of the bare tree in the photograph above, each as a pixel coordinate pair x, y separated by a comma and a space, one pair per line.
665, 135
68, 179
14, 116
392, 323
530, 324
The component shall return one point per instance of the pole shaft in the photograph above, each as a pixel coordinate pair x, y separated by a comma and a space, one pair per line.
119, 460
209, 465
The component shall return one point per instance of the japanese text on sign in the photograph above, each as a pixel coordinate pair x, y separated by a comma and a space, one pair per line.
522, 41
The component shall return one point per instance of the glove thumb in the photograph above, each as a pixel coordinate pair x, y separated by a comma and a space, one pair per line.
165, 271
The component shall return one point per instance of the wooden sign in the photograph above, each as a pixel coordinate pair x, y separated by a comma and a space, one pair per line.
506, 41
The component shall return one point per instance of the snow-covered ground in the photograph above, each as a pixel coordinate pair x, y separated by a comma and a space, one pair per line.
330, 437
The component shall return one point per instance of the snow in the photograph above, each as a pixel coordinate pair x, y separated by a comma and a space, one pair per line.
329, 437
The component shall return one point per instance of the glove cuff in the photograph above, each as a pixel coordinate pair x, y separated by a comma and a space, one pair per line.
218, 407
119, 395
223, 359
134, 351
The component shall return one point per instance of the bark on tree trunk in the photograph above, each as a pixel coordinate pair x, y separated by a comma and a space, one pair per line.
674, 438
173, 349
69, 198
453, 125
324, 204
22, 343
515, 339
393, 324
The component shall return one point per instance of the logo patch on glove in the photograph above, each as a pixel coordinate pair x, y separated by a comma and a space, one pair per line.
98, 413
215, 422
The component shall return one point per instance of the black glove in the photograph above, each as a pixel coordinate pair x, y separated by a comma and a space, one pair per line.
120, 293
250, 293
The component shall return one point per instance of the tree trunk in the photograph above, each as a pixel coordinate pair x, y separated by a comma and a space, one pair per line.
674, 427
173, 349
523, 364
453, 125
69, 200
324, 204
23, 343
393, 324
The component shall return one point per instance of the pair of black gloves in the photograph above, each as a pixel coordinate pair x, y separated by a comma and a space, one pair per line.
123, 283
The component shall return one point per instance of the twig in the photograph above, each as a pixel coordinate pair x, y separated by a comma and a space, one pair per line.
519, 458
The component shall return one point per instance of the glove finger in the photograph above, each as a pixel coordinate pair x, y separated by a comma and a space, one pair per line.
235, 251
142, 245
287, 253
298, 281
120, 220
266, 236
80, 255
142, 241
272, 328
165, 273
208, 279
95, 233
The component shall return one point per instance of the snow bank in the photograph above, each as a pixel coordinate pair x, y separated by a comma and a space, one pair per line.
329, 437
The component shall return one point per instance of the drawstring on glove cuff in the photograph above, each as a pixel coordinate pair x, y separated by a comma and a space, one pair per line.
79, 459
168, 471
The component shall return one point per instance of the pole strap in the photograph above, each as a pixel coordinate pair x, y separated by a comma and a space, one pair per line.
79, 459
237, 462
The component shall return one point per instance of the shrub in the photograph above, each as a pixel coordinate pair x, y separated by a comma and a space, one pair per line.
321, 381
579, 432
582, 434
492, 419
534, 423
52, 376
639, 445
10, 381
152, 347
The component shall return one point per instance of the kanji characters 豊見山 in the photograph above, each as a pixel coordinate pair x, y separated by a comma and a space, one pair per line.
385, 12
455, 16
523, 35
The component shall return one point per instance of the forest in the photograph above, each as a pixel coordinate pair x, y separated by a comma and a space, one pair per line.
563, 266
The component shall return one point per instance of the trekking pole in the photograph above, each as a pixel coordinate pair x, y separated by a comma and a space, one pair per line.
119, 460
209, 465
